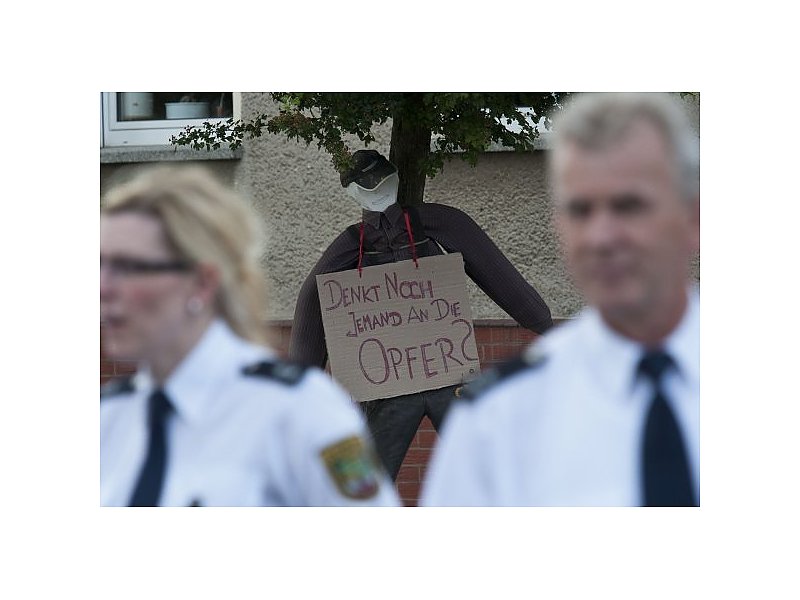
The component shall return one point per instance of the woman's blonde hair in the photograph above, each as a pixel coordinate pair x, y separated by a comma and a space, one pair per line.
205, 222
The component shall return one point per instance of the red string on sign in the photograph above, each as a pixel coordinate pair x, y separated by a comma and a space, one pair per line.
360, 247
411, 239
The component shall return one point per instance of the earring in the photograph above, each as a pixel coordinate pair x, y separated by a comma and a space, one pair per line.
194, 306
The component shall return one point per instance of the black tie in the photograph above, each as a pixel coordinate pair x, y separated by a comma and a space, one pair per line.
665, 468
148, 486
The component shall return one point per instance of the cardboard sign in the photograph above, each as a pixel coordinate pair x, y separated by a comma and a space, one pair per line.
399, 329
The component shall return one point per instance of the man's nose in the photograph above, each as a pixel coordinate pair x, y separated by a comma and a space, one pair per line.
603, 229
107, 283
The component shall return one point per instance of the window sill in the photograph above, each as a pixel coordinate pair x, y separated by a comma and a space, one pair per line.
139, 154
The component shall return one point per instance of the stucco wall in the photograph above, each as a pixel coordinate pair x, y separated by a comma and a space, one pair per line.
298, 193
506, 194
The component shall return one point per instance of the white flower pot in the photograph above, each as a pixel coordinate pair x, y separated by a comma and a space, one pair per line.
187, 110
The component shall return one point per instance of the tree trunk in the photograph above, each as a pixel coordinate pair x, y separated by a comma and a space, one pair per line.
410, 146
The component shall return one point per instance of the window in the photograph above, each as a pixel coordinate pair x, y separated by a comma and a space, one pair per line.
150, 118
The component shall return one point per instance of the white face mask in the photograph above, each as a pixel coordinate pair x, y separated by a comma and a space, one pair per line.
378, 199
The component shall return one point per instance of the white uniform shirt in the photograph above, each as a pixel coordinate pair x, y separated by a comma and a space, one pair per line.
568, 430
242, 440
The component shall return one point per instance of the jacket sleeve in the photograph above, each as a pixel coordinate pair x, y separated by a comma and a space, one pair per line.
307, 342
486, 265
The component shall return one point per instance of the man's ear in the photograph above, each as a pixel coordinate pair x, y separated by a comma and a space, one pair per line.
696, 224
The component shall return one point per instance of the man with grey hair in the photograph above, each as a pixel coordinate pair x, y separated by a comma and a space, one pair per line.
603, 410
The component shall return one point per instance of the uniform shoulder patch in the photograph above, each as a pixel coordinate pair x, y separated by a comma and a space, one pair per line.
353, 466
116, 387
491, 378
287, 373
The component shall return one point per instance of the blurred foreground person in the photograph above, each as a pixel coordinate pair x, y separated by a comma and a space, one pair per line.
212, 417
603, 410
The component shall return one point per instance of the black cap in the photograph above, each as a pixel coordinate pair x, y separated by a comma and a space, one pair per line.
370, 167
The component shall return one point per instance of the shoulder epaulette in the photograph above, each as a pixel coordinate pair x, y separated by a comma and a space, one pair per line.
482, 384
116, 387
284, 372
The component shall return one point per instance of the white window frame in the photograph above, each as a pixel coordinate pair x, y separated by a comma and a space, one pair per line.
156, 132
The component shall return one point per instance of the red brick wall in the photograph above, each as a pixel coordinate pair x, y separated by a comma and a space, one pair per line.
496, 341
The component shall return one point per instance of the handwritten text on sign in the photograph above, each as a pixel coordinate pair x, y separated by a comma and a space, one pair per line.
399, 329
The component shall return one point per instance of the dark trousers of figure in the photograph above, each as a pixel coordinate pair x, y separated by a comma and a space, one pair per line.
393, 422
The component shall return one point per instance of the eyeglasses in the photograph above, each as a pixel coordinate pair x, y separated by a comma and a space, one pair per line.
126, 267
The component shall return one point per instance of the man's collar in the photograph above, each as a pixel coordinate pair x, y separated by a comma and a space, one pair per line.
683, 344
616, 357
373, 218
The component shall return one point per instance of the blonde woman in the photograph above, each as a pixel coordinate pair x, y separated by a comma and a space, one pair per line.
212, 416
